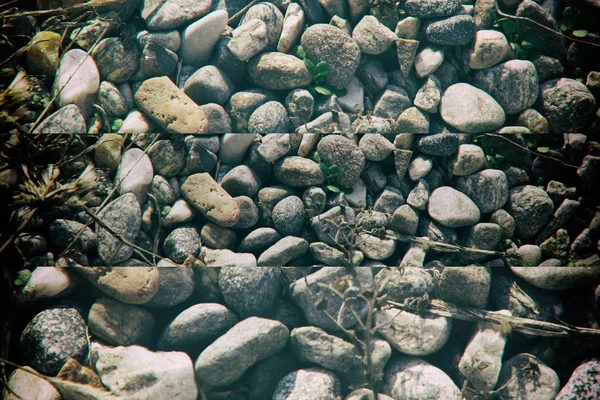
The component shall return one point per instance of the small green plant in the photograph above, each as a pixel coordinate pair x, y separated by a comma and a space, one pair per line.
522, 48
331, 176
319, 74
568, 22
22, 277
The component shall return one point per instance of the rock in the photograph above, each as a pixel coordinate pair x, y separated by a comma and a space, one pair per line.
565, 211
533, 120
470, 110
330, 44
271, 16
259, 240
52, 337
389, 200
199, 39
439, 144
45, 283
469, 159
452, 208
375, 147
431, 8
374, 247
583, 381
428, 60
293, 24
240, 106
128, 285
168, 39
278, 71
211, 200
429, 95
413, 378
250, 291
372, 36
234, 147
117, 61
514, 380
457, 30
289, 216
548, 68
77, 84
298, 172
394, 102
558, 278
408, 28
134, 174
548, 43
65, 233
284, 251
218, 120
135, 372
400, 285
181, 243
567, 104
156, 61
299, 104
340, 151
404, 220
168, 157
66, 119
270, 117
353, 101
170, 107
489, 48
241, 181
230, 356
197, 326
163, 15
42, 55
112, 100
136, 122
505, 221
484, 236
488, 189
209, 85
120, 324
26, 385
311, 383
227, 258
531, 208
248, 39
513, 84
124, 216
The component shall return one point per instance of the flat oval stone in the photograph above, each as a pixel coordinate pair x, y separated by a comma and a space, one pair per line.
79, 84
120, 324
206, 195
558, 278
126, 284
134, 174
123, 216
452, 208
278, 71
169, 14
431, 8
199, 39
298, 172
470, 110
457, 30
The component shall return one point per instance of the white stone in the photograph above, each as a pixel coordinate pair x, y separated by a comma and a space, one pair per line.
489, 48
419, 167
234, 147
308, 143
353, 100
358, 197
227, 258
136, 122
293, 24
248, 39
180, 213
274, 146
428, 60
469, 159
471, 110
134, 174
45, 283
77, 84
199, 39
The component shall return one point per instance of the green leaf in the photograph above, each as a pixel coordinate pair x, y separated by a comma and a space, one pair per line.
580, 33
569, 15
317, 157
543, 149
527, 45
323, 167
334, 169
310, 66
36, 98
322, 90
300, 53
22, 277
322, 68
116, 125
333, 188
564, 27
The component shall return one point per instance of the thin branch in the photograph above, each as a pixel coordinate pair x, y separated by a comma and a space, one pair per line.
242, 11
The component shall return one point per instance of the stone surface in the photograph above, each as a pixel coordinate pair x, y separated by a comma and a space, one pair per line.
583, 382
452, 208
489, 48
124, 216
208, 197
470, 110
209, 85
120, 324
77, 86
278, 71
199, 39
340, 151
250, 291
531, 208
311, 383
567, 105
515, 382
488, 189
372, 36
457, 30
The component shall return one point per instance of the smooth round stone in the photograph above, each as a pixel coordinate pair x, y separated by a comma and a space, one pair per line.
399, 285
168, 39
470, 110
568, 105
42, 55
217, 237
26, 385
428, 60
77, 84
513, 84
328, 255
412, 120
374, 247
271, 16
248, 212
270, 117
208, 197
489, 48
128, 285
439, 144
241, 106
197, 326
583, 381
408, 28
558, 278
353, 100
234, 147
452, 208
52, 337
169, 14
209, 85
414, 378
412, 334
241, 181
258, 240
372, 36
156, 61
298, 172
469, 159
341, 151
299, 104
248, 39
136, 122
375, 147
484, 236
230, 356
419, 167
120, 324
505, 221
227, 258
457, 30
199, 39
63, 232
533, 120
530, 254
514, 381
181, 243
162, 190
431, 8
310, 383
278, 71
134, 174
250, 291
284, 251
124, 216
181, 212
531, 207
116, 62
112, 100
327, 43
293, 24
45, 283
404, 220
175, 284
67, 119
218, 119
488, 189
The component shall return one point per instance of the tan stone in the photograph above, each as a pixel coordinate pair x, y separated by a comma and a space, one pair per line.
170, 107
204, 193
108, 151
131, 285
43, 54
120, 324
28, 386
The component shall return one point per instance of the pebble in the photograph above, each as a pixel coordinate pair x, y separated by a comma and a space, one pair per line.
52, 337
438, 144
429, 95
248, 39
259, 240
374, 247
169, 14
293, 23
404, 220
26, 385
431, 8
289, 216
272, 18
240, 106
468, 160
124, 216
531, 208
457, 30
241, 181
111, 99
168, 39
209, 85
327, 43
372, 36
452, 208
136, 122
170, 107
67, 119
125, 371
43, 55
128, 285
198, 40
250, 291
181, 243
514, 380
393, 102
156, 61
45, 283
120, 324
208, 197
310, 383
583, 381
231, 355
419, 195
406, 51
488, 189
418, 168
489, 48
341, 151
227, 258
297, 171
558, 278
167, 157
299, 104
117, 62
428, 60
134, 174
284, 251
77, 86
533, 120
567, 105
470, 110
65, 233
278, 71
412, 120
408, 28
375, 147
270, 117
454, 279
353, 100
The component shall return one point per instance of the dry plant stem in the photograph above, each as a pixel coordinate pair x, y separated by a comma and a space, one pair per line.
524, 325
241, 12
73, 10
12, 238
529, 150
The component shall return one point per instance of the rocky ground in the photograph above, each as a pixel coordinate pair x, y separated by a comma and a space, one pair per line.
300, 200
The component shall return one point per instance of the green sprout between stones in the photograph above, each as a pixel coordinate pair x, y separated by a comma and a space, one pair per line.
522, 48
331, 174
319, 73
22, 277
568, 22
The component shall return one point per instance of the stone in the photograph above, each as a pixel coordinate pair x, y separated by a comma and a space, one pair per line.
278, 71
428, 60
134, 174
259, 240
203, 192
124, 216
284, 251
241, 181
120, 324
393, 102
488, 189
558, 278
42, 55
240, 107
438, 144
431, 8
26, 385
372, 36
429, 95
567, 104
170, 107
112, 100
298, 172
299, 104
375, 147
168, 39
470, 110
289, 216
457, 30
209, 85
513, 84
452, 208
514, 380
272, 18
412, 120
227, 258
156, 61
52, 337
531, 208
400, 285
128, 285
218, 119
340, 151
270, 117
230, 356
136, 122
468, 160
583, 382
167, 157
310, 383
327, 43
163, 15
353, 100
137, 373
408, 28
533, 120
117, 61
78, 84
454, 279
45, 283
293, 24
77, 236
489, 48
181, 243
66, 119
248, 39
199, 39
404, 220
250, 291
